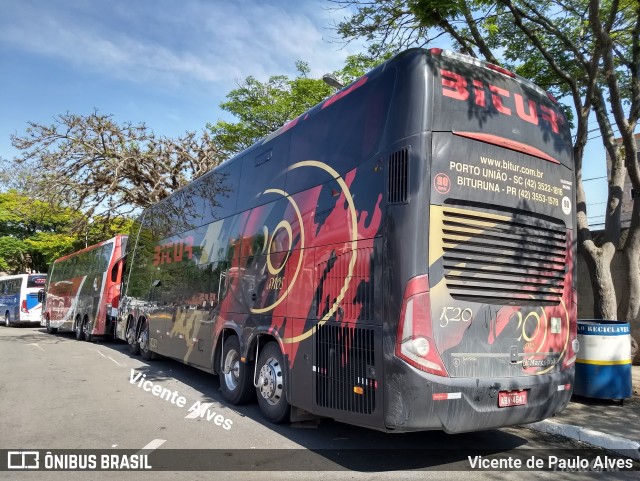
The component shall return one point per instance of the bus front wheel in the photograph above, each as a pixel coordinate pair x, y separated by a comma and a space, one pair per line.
235, 375
271, 391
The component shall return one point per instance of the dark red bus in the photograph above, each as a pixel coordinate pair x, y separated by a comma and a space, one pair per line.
400, 257
83, 290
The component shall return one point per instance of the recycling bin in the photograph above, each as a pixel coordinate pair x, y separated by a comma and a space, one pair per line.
603, 364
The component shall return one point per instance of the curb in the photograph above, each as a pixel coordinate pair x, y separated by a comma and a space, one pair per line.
617, 444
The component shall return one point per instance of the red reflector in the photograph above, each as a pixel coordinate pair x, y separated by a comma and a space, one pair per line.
501, 70
553, 99
508, 144
567, 387
435, 51
439, 396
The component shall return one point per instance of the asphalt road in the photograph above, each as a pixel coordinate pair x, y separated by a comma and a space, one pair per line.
57, 393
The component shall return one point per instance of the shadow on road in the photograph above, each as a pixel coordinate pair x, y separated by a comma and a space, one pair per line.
325, 444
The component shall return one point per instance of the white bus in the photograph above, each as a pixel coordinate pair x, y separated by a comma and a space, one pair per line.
19, 298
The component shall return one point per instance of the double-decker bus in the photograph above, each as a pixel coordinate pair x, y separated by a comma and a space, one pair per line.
400, 257
19, 303
83, 290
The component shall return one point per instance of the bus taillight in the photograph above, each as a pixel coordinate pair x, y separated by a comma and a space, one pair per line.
23, 307
415, 342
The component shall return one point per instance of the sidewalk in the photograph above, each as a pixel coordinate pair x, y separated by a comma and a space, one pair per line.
602, 423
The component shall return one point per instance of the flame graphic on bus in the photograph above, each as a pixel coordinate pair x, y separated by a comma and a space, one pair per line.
311, 268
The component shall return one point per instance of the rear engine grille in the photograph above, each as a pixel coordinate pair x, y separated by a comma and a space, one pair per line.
503, 259
344, 365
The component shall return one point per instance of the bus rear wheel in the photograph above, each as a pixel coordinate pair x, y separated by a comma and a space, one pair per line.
78, 329
271, 388
132, 339
235, 376
86, 329
143, 340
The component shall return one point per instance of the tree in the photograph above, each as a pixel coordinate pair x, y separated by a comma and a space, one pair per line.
34, 233
594, 65
21, 216
24, 224
13, 255
95, 165
263, 107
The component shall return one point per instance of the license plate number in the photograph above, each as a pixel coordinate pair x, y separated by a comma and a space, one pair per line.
512, 398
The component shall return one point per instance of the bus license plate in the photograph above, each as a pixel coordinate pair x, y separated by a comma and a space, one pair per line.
512, 398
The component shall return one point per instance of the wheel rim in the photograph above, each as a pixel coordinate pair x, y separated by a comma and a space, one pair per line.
131, 336
48, 325
85, 329
6, 320
78, 328
270, 381
144, 338
231, 370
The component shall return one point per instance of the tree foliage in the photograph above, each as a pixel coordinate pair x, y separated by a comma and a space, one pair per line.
586, 52
14, 255
263, 107
93, 164
80, 176
33, 233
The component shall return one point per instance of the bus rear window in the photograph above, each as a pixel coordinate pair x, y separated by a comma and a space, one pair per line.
479, 100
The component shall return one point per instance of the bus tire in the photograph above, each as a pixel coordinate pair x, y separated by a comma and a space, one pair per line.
77, 328
236, 383
86, 329
143, 340
132, 339
271, 389
51, 330
7, 320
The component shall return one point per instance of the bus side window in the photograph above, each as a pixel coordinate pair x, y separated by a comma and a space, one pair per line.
114, 271
107, 250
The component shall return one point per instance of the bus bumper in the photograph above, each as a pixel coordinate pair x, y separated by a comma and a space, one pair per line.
30, 319
417, 401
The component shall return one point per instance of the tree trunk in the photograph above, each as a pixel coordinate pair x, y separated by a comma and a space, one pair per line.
630, 305
598, 260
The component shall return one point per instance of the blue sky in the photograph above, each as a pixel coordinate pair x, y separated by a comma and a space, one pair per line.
167, 63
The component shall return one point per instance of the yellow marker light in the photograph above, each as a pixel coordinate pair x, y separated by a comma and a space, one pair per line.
358, 390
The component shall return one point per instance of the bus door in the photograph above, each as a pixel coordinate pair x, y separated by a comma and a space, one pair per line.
190, 323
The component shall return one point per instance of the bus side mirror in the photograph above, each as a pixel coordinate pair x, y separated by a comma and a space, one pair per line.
41, 296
